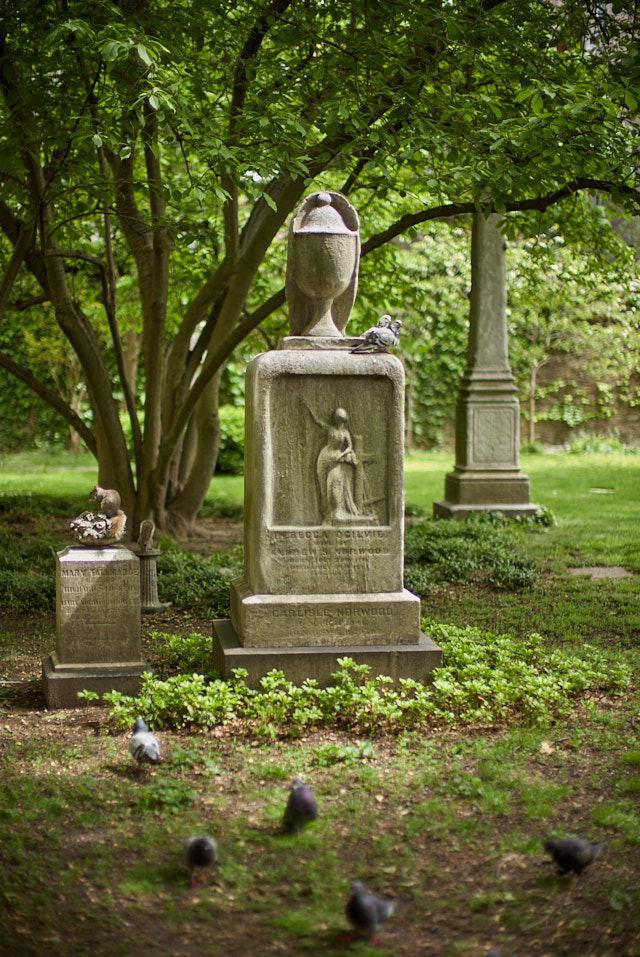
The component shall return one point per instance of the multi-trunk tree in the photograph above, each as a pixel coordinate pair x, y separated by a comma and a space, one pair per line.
158, 147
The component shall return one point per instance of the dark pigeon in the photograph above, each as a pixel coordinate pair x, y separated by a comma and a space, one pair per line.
200, 853
573, 854
366, 911
143, 745
301, 807
383, 336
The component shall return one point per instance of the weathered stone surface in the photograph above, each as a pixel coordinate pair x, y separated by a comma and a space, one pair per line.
323, 507
415, 661
322, 265
392, 617
97, 605
97, 625
62, 682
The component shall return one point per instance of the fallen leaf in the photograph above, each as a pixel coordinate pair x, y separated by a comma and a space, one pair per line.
546, 748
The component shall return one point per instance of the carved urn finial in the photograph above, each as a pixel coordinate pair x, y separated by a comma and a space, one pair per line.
322, 265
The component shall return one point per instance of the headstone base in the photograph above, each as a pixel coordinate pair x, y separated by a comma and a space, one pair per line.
444, 509
291, 620
61, 683
415, 660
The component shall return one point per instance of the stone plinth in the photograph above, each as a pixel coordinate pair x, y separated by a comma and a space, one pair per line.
320, 662
97, 625
323, 575
487, 475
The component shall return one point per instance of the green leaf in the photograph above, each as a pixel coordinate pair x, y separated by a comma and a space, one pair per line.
96, 139
271, 203
536, 103
143, 53
630, 100
110, 51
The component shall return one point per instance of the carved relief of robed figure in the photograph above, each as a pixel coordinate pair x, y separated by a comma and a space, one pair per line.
339, 473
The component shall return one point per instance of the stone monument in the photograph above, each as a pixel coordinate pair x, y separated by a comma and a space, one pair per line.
98, 644
323, 568
487, 474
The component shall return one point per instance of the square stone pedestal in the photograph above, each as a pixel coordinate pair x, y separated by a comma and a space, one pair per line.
98, 644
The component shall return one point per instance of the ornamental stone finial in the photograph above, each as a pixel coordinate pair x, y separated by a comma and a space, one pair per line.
322, 265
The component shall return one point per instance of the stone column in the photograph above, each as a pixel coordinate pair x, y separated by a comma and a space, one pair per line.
487, 474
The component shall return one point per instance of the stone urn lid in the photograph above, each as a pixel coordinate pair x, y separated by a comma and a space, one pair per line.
318, 214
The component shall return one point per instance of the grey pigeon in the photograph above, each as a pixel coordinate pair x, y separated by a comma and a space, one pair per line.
383, 336
200, 853
573, 854
366, 911
143, 745
301, 807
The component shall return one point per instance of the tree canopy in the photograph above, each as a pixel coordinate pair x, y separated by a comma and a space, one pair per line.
153, 150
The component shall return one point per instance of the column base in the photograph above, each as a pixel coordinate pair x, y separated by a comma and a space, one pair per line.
444, 509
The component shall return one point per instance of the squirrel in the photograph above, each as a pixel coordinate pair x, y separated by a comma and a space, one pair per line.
107, 498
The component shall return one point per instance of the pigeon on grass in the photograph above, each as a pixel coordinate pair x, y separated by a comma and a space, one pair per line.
383, 336
301, 807
366, 912
200, 853
573, 854
143, 745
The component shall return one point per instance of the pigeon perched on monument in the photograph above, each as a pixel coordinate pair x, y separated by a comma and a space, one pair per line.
301, 807
200, 852
143, 745
383, 336
367, 912
573, 854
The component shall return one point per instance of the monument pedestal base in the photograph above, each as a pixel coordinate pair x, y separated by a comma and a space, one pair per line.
415, 660
469, 491
61, 683
286, 621
444, 509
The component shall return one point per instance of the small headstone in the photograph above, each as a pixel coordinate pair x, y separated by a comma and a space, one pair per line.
98, 644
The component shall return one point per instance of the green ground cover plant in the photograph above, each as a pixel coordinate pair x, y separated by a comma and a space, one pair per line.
484, 679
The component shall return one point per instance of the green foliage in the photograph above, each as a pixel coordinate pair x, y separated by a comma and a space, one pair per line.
585, 443
326, 755
231, 453
194, 582
142, 141
27, 573
483, 547
165, 795
485, 678
186, 653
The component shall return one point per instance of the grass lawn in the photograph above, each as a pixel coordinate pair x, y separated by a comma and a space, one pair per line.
444, 818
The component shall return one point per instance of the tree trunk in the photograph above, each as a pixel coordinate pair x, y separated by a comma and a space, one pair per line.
182, 512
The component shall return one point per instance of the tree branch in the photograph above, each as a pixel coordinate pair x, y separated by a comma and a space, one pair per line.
51, 398
16, 259
458, 209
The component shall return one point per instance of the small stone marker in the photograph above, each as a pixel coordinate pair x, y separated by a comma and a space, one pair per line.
98, 644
